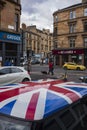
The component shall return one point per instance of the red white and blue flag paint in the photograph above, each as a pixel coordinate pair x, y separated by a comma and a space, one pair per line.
36, 100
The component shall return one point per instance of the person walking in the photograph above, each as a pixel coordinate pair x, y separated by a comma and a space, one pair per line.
29, 65
7, 62
51, 68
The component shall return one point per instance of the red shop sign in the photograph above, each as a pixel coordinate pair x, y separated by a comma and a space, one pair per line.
61, 52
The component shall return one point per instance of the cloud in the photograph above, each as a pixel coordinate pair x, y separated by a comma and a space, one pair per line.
40, 12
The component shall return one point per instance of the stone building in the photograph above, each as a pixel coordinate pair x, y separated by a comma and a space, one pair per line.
36, 41
10, 11
70, 34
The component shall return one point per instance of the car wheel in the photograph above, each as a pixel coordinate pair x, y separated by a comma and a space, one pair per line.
83, 80
78, 68
26, 79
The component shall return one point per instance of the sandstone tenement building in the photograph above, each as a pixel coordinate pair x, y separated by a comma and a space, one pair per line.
10, 11
37, 41
70, 34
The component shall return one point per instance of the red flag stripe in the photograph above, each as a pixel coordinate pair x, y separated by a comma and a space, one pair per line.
30, 86
32, 106
8, 94
17, 91
72, 95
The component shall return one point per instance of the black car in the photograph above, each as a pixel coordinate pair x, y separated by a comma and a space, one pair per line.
83, 79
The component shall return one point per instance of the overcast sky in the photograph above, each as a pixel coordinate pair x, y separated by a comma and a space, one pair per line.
40, 12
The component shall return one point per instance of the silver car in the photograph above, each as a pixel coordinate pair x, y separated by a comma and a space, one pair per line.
13, 74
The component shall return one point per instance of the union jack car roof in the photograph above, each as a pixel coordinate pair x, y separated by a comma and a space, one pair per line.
39, 99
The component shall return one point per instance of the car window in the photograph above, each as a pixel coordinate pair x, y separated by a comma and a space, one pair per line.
51, 125
67, 119
72, 118
5, 71
71, 64
16, 70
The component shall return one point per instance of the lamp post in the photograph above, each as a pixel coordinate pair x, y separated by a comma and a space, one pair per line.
23, 47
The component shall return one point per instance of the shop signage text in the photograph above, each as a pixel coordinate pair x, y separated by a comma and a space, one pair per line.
5, 36
61, 52
13, 37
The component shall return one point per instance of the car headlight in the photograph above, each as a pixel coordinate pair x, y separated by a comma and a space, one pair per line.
6, 124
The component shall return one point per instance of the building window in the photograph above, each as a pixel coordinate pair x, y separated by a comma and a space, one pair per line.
72, 28
16, 22
41, 47
16, 1
56, 18
55, 44
34, 46
72, 14
85, 12
85, 26
85, 42
72, 42
55, 31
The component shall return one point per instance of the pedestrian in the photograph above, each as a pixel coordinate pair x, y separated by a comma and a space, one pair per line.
6, 62
64, 77
29, 65
51, 68
12, 62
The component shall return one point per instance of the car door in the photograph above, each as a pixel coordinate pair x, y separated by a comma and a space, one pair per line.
4, 76
72, 66
16, 74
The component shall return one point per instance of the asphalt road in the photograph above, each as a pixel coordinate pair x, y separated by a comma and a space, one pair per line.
72, 75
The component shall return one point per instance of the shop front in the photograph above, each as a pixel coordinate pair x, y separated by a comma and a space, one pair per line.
10, 48
70, 55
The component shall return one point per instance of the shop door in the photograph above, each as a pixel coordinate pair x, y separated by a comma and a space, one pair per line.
64, 59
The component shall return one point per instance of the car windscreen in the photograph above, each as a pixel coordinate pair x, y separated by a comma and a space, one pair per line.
16, 70
7, 123
5, 71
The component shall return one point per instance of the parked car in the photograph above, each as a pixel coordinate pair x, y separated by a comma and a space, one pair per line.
73, 66
35, 61
43, 105
83, 79
24, 63
13, 74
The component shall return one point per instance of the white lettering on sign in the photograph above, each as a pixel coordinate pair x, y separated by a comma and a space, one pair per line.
65, 52
12, 37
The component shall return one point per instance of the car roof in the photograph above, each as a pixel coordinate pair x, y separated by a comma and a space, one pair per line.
37, 100
70, 63
2, 67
